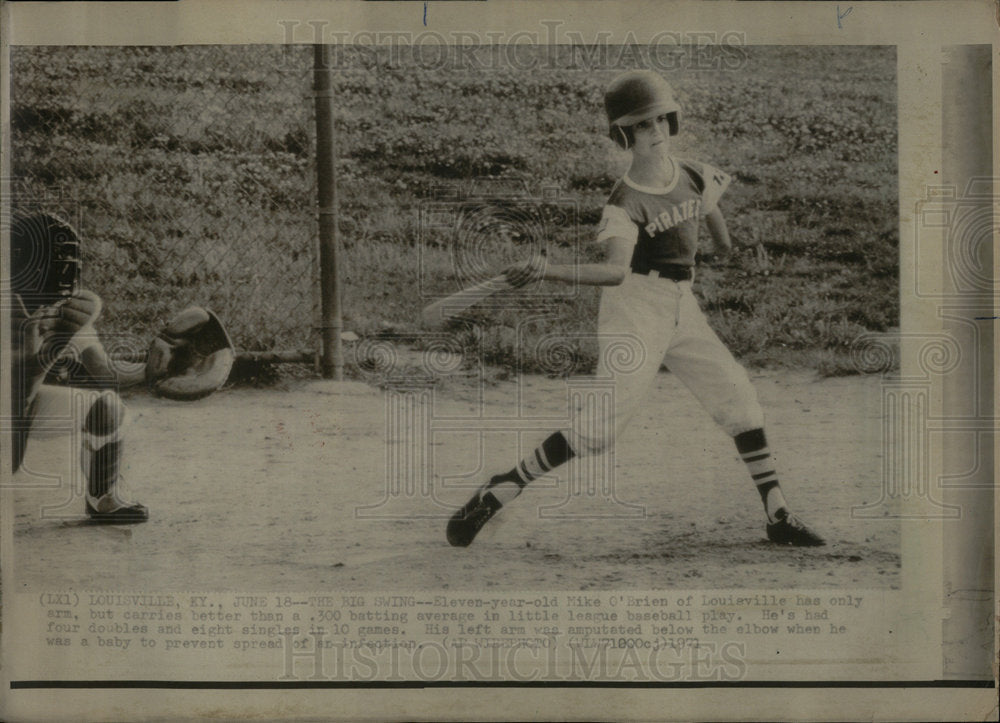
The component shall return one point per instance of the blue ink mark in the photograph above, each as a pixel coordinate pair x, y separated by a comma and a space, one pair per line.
839, 15
425, 13
985, 318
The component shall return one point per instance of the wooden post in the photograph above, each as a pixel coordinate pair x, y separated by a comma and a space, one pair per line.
332, 325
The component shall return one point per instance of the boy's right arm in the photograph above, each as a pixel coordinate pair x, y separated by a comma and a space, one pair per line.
617, 236
611, 272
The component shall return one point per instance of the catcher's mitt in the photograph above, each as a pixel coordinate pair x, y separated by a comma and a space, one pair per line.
191, 357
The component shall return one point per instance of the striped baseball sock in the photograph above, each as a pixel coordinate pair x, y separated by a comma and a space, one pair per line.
550, 454
755, 454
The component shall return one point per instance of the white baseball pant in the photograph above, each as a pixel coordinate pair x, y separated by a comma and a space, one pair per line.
643, 323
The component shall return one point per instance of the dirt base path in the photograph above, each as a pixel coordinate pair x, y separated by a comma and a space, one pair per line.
322, 486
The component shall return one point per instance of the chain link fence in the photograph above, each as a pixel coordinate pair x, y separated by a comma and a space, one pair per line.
190, 172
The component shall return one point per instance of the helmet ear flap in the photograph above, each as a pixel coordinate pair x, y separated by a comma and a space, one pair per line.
621, 136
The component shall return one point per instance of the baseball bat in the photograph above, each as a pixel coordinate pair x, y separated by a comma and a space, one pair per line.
439, 311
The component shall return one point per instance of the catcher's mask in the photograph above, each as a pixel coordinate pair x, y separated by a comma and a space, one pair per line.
635, 96
44, 259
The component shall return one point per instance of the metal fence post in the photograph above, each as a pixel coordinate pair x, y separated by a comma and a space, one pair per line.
332, 324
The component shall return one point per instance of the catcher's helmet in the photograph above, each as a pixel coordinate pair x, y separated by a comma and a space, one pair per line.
635, 96
44, 259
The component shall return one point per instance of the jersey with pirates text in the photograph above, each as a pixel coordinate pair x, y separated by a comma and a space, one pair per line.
663, 222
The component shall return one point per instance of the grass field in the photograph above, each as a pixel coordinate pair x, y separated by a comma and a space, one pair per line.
191, 172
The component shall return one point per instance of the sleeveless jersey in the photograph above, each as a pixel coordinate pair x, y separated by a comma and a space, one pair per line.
663, 222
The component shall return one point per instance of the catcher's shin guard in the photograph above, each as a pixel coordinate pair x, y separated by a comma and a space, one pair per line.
100, 457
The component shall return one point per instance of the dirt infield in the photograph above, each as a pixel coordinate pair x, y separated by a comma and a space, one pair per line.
323, 486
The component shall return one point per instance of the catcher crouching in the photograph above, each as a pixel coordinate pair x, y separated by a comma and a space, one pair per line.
53, 319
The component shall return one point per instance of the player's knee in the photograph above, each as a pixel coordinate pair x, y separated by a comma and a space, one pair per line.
586, 445
106, 414
736, 422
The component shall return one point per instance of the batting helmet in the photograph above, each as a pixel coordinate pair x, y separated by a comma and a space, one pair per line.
44, 259
635, 96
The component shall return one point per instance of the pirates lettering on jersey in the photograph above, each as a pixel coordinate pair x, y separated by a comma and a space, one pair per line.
663, 222
690, 209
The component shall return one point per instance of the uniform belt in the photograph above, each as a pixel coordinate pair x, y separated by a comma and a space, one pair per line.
674, 272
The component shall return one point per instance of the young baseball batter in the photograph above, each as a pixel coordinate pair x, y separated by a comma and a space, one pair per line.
52, 317
649, 230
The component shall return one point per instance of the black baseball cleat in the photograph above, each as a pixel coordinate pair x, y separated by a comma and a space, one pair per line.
465, 524
109, 510
790, 530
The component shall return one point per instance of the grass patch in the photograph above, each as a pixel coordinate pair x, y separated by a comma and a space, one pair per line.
192, 172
